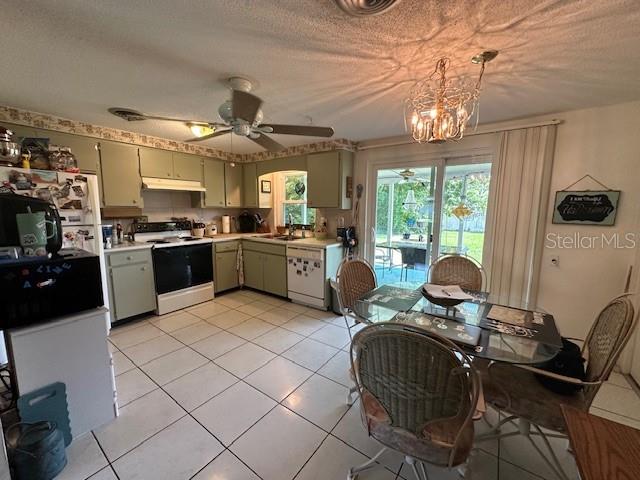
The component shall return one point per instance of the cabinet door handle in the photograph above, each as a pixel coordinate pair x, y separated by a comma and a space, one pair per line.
134, 201
129, 257
143, 268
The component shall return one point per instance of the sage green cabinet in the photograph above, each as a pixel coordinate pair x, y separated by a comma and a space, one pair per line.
156, 163
131, 283
233, 185
329, 176
250, 185
275, 274
214, 183
121, 182
187, 167
265, 267
84, 149
253, 269
225, 261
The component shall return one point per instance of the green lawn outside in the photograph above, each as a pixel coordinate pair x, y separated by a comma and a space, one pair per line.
472, 240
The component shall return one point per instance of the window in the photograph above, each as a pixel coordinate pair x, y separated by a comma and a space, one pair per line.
293, 191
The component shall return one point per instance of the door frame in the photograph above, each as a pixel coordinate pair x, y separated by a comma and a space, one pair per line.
421, 159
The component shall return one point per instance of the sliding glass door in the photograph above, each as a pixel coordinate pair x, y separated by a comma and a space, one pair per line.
423, 211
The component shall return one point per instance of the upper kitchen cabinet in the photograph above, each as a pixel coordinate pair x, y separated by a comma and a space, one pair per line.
253, 195
214, 184
329, 176
156, 163
121, 180
233, 185
84, 149
187, 167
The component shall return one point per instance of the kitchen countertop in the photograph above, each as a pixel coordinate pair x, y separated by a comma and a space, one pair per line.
225, 237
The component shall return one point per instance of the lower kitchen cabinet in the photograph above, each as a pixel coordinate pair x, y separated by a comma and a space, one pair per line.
131, 283
225, 261
265, 267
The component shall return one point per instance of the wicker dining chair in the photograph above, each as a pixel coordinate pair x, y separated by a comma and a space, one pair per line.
515, 390
457, 270
354, 279
418, 395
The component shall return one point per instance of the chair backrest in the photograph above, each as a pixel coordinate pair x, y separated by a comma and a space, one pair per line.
609, 334
355, 278
418, 377
456, 270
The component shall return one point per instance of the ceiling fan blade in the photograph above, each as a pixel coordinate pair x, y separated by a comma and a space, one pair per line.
207, 137
267, 143
245, 105
135, 116
307, 130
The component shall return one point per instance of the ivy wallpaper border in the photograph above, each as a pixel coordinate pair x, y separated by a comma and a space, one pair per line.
51, 122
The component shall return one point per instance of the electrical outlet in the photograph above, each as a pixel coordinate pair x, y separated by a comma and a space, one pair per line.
555, 260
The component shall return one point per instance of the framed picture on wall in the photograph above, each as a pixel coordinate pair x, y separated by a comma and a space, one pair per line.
265, 186
586, 207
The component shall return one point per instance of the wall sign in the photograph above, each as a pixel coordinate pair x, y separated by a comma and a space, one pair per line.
586, 207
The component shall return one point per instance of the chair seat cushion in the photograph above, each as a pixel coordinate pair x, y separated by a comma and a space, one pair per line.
432, 445
518, 392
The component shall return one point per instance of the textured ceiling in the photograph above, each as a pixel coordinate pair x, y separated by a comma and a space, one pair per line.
76, 58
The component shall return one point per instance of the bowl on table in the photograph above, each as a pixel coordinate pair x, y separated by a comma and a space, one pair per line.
441, 301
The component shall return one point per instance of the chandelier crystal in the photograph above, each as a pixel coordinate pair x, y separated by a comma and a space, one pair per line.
438, 108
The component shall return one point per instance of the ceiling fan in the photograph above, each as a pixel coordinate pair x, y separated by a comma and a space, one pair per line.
241, 115
408, 175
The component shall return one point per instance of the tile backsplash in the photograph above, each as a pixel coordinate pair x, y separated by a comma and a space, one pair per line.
163, 206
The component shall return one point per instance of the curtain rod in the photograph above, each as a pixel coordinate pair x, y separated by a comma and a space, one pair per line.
482, 131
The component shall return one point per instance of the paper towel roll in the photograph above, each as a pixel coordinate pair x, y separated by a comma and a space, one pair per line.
226, 224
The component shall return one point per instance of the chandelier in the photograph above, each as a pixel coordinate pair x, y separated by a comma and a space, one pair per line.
439, 108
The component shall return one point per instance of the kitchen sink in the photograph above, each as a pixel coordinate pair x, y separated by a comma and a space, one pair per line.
286, 238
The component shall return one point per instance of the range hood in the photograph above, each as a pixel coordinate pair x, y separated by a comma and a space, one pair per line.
150, 183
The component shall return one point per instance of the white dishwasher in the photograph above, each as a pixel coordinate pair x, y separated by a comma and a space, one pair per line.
306, 276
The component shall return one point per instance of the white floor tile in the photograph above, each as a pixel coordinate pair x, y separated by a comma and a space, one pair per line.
278, 340
255, 308
112, 348
278, 445
131, 325
320, 401
304, 325
104, 474
333, 460
277, 316
511, 472
278, 378
228, 319
131, 385
351, 431
208, 309
623, 401
200, 385
84, 458
121, 363
131, 337
294, 307
251, 329
218, 344
177, 452
195, 332
325, 315
337, 369
244, 359
173, 365
152, 349
615, 417
275, 301
231, 302
618, 380
332, 335
137, 422
310, 354
232, 412
482, 466
226, 467
175, 321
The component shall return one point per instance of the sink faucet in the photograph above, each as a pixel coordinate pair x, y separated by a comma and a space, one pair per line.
292, 228
304, 232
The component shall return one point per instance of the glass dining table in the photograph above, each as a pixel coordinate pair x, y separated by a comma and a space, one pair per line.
508, 331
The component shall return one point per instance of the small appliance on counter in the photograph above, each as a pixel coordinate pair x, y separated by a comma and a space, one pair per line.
10, 150
247, 222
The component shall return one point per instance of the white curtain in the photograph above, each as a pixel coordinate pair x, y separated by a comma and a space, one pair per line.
519, 209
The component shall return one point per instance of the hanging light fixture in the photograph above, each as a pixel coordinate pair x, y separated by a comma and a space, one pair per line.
200, 129
439, 108
410, 200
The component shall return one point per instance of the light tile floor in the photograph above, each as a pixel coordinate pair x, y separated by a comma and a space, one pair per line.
250, 387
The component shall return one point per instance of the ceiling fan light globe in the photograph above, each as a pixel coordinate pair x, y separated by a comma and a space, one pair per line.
201, 130
226, 111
